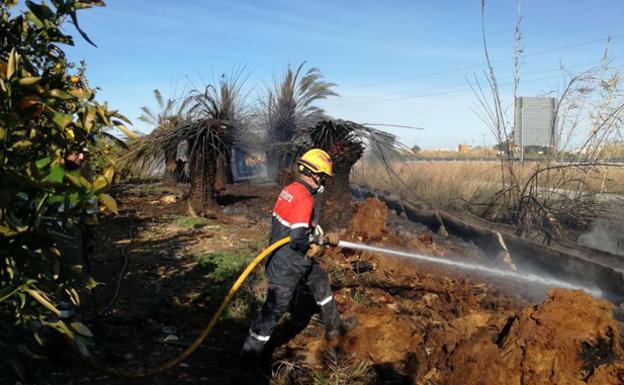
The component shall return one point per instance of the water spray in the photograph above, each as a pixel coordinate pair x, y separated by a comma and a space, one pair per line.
526, 277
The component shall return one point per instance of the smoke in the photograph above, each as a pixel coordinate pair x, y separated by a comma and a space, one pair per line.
607, 234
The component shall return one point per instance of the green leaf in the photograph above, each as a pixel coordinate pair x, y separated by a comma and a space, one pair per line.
61, 327
73, 295
34, 19
77, 92
108, 173
89, 4
29, 81
61, 119
115, 139
121, 117
41, 298
109, 202
74, 178
125, 129
42, 11
38, 338
56, 174
7, 231
41, 163
7, 292
88, 118
60, 94
100, 184
81, 345
12, 64
81, 328
2, 133
101, 111
91, 283
21, 143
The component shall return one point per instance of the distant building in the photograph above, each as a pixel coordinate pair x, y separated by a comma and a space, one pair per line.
534, 122
464, 148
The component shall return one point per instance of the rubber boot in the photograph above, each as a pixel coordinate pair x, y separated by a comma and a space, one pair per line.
346, 325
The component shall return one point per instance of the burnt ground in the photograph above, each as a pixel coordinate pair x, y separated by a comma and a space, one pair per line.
418, 323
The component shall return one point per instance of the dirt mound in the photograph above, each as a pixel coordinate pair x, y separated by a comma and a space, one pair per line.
569, 339
424, 324
369, 220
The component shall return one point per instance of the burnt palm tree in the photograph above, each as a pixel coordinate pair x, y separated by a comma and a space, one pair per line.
210, 128
170, 113
288, 107
345, 141
213, 131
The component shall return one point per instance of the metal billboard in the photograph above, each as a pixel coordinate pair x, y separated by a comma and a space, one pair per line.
534, 119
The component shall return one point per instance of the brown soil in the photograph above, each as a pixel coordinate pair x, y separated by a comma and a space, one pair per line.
428, 326
569, 339
418, 323
369, 220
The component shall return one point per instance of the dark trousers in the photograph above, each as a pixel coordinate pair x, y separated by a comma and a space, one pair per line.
276, 304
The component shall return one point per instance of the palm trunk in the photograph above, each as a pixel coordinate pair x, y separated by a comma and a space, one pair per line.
201, 197
337, 203
224, 171
170, 177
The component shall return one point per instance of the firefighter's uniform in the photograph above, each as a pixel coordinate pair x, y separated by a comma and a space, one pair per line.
289, 266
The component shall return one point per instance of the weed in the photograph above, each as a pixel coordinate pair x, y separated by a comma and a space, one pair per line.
337, 275
343, 371
191, 222
359, 296
223, 265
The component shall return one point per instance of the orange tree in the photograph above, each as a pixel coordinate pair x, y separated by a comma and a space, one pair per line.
47, 110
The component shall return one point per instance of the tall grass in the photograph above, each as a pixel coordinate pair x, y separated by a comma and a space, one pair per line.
469, 185
445, 184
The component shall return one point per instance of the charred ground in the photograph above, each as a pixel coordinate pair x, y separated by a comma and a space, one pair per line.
419, 324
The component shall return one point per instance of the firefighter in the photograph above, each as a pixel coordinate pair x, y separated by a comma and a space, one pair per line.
295, 214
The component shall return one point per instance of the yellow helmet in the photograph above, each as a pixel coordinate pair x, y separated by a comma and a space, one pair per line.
317, 161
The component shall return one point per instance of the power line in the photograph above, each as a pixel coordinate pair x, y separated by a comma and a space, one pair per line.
453, 89
385, 100
456, 69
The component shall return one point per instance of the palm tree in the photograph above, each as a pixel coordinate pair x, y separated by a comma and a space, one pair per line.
288, 107
216, 125
170, 113
210, 125
345, 141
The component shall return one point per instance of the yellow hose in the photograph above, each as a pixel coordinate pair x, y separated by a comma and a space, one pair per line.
198, 341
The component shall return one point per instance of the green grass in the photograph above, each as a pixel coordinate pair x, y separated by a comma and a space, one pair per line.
157, 189
223, 269
223, 265
191, 222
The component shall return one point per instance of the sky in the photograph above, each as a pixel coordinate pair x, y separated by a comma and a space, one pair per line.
402, 62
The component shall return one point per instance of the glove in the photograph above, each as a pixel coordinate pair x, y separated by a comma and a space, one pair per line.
332, 239
318, 235
314, 250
